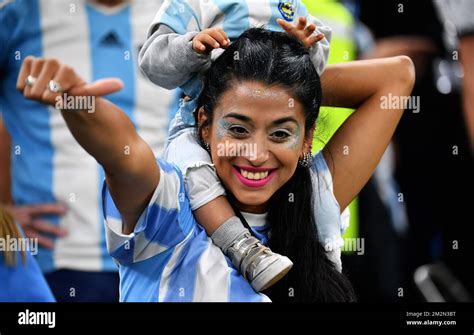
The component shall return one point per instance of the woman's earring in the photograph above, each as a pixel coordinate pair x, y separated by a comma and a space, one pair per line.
307, 160
208, 147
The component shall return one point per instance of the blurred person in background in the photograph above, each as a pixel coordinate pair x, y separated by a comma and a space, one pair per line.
21, 279
52, 186
458, 20
377, 219
433, 162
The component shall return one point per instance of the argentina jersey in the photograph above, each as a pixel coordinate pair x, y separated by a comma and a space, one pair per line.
234, 17
48, 165
169, 257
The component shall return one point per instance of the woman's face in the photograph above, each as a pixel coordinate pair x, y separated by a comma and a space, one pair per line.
257, 137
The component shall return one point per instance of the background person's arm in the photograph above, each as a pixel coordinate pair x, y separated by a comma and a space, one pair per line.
356, 148
107, 134
27, 216
5, 181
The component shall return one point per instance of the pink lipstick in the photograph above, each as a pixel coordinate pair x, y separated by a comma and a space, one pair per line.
254, 177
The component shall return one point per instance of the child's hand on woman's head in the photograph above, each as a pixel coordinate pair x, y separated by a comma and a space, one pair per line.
301, 31
209, 39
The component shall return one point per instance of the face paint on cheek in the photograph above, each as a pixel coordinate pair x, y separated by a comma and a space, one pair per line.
222, 128
294, 140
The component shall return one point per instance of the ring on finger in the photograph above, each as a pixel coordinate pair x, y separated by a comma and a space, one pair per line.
54, 86
30, 80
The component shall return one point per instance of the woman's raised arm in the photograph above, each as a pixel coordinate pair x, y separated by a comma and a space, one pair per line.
100, 127
356, 148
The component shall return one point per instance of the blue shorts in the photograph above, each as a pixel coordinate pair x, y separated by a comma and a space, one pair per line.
81, 286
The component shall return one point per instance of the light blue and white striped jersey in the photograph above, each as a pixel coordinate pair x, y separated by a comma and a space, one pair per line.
235, 17
47, 163
169, 257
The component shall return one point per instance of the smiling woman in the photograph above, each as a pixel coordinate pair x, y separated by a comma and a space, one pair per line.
269, 97
263, 119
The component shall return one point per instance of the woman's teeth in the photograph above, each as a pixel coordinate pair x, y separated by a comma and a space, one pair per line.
254, 175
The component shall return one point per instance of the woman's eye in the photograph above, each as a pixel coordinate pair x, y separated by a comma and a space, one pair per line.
238, 131
281, 134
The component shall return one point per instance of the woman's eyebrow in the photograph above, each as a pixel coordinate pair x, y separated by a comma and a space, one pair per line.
285, 119
238, 116
245, 118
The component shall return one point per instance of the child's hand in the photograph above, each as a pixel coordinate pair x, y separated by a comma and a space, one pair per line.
301, 31
209, 39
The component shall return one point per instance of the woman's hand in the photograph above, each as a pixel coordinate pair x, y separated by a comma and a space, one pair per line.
37, 74
209, 39
107, 133
301, 31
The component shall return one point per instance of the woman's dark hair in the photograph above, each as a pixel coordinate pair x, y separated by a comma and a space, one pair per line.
275, 58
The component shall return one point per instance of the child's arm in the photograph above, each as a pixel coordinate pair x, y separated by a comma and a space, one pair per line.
107, 133
178, 45
320, 51
355, 149
168, 59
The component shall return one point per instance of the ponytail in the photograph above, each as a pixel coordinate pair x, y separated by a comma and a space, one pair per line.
294, 233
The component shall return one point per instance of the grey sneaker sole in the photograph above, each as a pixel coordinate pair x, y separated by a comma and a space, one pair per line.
272, 274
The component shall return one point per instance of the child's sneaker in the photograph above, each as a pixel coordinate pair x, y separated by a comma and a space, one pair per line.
258, 264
